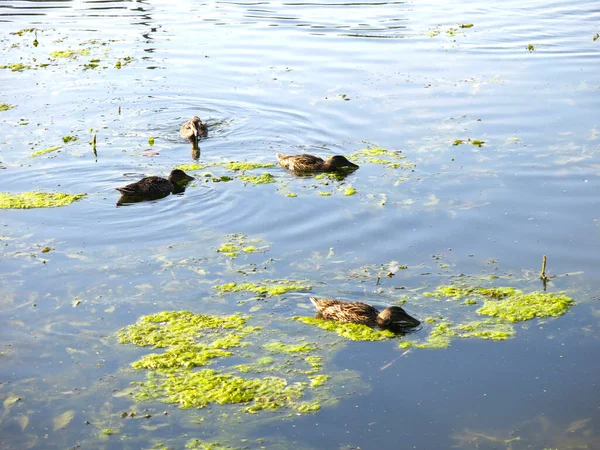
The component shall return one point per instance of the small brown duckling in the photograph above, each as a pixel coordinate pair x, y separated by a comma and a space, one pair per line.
193, 129
156, 186
362, 313
310, 163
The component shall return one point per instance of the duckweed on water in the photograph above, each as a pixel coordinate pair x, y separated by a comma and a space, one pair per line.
69, 53
458, 292
349, 191
5, 106
265, 178
16, 67
237, 165
441, 334
190, 167
28, 200
67, 139
44, 151
381, 156
267, 288
519, 307
280, 347
195, 340
353, 331
237, 244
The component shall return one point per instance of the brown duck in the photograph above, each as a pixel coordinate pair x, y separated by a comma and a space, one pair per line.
156, 186
193, 129
362, 313
310, 163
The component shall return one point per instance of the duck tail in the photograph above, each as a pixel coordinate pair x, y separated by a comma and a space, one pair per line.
314, 301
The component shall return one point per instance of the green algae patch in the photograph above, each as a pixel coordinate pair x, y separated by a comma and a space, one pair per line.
353, 331
191, 167
265, 178
442, 333
475, 142
239, 243
324, 194
520, 307
29, 200
178, 328
5, 106
67, 139
69, 53
267, 288
462, 292
45, 151
318, 380
206, 386
466, 25
389, 158
237, 165
16, 67
280, 347
349, 191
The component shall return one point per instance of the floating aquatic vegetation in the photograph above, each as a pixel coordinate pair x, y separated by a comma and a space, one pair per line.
194, 340
24, 30
520, 307
530, 47
45, 150
596, 36
68, 138
151, 141
5, 106
16, 67
390, 158
237, 165
291, 194
442, 333
349, 191
265, 178
191, 167
324, 194
460, 292
28, 200
70, 53
267, 288
239, 243
476, 142
353, 331
466, 25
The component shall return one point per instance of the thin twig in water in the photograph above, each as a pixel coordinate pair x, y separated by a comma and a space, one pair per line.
395, 359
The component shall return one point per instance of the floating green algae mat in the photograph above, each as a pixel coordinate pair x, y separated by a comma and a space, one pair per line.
16, 67
28, 200
265, 178
442, 333
389, 158
268, 287
45, 150
69, 53
461, 292
191, 167
239, 243
353, 331
519, 307
475, 142
195, 340
5, 106
349, 191
237, 165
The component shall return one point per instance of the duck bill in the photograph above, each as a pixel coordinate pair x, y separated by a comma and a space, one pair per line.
406, 321
352, 165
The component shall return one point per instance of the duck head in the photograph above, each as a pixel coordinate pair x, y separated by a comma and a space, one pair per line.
395, 316
178, 176
339, 161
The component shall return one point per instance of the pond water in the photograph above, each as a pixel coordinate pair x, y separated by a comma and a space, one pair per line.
302, 77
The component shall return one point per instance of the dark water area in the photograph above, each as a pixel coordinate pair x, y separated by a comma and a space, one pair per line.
302, 77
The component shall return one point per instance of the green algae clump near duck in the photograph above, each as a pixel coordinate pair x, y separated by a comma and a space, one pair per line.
352, 331
389, 158
267, 288
265, 178
520, 307
195, 340
29, 200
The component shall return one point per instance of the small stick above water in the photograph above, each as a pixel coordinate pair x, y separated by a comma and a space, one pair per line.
543, 276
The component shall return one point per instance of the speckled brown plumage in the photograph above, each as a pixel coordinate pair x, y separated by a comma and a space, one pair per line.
362, 313
193, 128
311, 163
155, 186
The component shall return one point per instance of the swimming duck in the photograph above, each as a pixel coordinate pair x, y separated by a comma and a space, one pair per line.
156, 186
310, 163
362, 313
193, 129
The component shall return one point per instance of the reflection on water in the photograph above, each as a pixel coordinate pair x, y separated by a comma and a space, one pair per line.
402, 89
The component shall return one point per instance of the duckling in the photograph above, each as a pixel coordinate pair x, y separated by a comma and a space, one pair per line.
310, 163
156, 186
362, 313
193, 129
